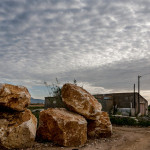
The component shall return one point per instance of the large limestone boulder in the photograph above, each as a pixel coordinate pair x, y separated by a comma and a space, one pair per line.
100, 128
62, 127
17, 129
14, 97
79, 100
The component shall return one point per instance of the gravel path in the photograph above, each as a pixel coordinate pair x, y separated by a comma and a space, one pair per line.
123, 138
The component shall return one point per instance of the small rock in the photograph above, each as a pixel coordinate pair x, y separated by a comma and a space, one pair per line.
101, 127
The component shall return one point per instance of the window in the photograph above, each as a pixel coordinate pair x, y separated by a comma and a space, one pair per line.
105, 98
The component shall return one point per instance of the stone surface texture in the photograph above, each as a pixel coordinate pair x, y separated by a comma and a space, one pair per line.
62, 127
79, 100
100, 128
17, 129
14, 97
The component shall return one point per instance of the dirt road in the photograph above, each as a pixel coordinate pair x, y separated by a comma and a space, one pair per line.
123, 138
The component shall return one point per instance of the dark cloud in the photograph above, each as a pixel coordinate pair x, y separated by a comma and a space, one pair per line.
101, 43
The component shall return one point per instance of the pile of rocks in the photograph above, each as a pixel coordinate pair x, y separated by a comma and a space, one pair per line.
70, 128
17, 123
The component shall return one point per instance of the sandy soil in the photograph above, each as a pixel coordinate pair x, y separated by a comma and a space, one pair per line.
123, 138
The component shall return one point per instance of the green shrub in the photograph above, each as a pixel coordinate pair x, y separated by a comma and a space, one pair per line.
36, 114
123, 121
143, 122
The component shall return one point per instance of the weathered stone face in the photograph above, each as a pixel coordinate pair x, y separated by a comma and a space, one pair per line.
14, 97
101, 127
17, 130
63, 127
79, 100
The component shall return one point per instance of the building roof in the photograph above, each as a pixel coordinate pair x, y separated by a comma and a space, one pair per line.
111, 94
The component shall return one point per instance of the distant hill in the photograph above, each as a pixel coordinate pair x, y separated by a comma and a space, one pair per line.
34, 101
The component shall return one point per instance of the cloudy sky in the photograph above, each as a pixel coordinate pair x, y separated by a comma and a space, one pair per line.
103, 44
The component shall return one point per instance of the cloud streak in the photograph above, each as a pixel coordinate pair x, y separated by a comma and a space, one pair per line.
83, 39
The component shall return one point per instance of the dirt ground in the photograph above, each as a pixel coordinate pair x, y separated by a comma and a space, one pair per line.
123, 138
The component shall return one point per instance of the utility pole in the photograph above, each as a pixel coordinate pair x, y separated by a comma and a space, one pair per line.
139, 93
